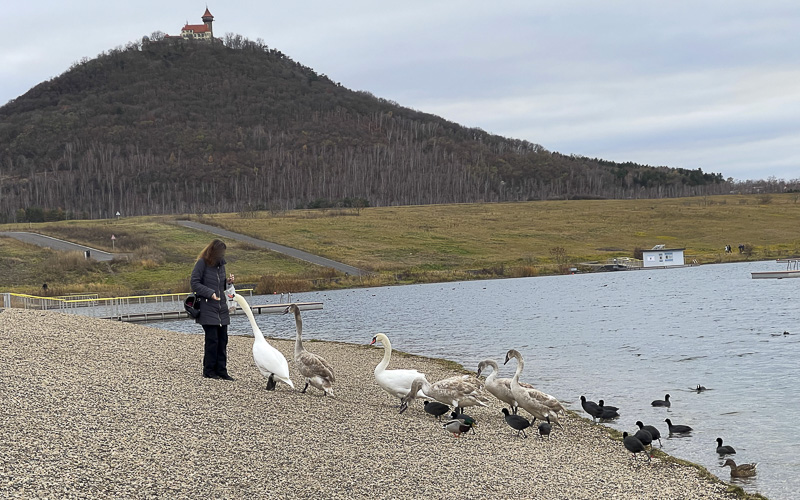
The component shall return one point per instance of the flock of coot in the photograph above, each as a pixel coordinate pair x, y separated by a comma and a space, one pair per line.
644, 437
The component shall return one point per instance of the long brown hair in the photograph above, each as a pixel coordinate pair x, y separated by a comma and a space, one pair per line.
213, 252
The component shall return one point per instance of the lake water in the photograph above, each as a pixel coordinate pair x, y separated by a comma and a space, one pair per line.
625, 337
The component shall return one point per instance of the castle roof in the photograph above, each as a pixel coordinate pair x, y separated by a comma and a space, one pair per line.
208, 14
196, 28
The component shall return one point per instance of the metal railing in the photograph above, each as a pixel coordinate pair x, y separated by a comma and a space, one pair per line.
94, 306
625, 262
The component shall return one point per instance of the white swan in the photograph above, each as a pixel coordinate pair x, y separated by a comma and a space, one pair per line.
314, 368
525, 399
501, 389
269, 361
459, 391
396, 382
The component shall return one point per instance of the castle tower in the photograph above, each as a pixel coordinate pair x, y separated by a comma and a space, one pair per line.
208, 19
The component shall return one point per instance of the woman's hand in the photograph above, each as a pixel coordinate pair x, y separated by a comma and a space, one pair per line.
214, 296
230, 279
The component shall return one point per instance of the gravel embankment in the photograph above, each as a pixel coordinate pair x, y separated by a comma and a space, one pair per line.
100, 409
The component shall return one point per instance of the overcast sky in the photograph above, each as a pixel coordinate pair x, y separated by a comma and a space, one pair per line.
714, 84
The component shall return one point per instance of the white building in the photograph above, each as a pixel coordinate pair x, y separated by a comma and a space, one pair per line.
662, 257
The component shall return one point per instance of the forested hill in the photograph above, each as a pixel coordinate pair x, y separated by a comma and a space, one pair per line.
176, 127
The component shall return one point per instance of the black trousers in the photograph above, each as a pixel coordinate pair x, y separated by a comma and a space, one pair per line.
215, 358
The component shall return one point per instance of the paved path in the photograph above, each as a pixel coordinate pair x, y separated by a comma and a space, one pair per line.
291, 252
56, 244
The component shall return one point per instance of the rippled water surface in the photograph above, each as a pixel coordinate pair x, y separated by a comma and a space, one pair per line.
625, 337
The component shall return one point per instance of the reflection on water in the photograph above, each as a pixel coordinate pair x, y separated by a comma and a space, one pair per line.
625, 337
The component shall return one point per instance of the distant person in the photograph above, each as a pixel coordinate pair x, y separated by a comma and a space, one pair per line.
209, 282
741, 248
44, 287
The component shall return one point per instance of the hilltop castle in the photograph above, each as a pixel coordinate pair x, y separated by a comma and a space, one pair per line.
203, 31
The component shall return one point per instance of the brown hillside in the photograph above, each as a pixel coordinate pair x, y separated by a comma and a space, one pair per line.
168, 127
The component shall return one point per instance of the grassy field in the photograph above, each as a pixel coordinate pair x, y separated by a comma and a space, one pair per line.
408, 244
458, 237
159, 258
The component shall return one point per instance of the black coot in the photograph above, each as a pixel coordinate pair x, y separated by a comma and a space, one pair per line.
436, 409
517, 422
652, 430
677, 429
545, 428
662, 402
633, 445
591, 408
724, 450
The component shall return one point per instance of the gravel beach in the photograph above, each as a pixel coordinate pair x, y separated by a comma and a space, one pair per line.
99, 409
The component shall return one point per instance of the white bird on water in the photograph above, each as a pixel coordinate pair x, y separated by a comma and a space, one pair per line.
269, 361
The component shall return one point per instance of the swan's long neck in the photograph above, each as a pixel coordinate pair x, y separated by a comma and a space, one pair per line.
298, 341
492, 375
256, 330
420, 383
520, 365
424, 387
387, 355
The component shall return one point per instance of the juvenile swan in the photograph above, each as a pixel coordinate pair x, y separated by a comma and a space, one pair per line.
269, 361
313, 367
524, 398
459, 391
396, 382
501, 389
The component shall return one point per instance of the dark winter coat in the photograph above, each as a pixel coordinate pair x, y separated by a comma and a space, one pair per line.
206, 281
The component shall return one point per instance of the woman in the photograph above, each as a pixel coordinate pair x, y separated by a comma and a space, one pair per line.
209, 283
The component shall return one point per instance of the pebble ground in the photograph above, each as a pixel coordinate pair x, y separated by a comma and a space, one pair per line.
99, 409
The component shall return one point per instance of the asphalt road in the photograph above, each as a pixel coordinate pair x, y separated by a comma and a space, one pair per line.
291, 252
56, 244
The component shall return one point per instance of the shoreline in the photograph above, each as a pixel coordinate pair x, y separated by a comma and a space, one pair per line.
457, 275
108, 409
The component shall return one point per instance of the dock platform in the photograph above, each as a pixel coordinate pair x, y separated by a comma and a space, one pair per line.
172, 315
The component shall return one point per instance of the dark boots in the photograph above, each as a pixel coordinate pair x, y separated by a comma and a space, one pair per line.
215, 357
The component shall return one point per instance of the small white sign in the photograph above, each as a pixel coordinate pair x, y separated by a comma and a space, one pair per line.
117, 213
113, 237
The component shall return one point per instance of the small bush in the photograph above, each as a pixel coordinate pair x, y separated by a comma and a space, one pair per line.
69, 261
148, 253
328, 273
523, 272
279, 284
243, 245
148, 264
559, 255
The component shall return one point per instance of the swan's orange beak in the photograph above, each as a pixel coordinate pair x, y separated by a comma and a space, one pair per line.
374, 339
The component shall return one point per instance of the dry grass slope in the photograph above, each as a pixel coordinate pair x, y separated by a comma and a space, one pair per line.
416, 243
